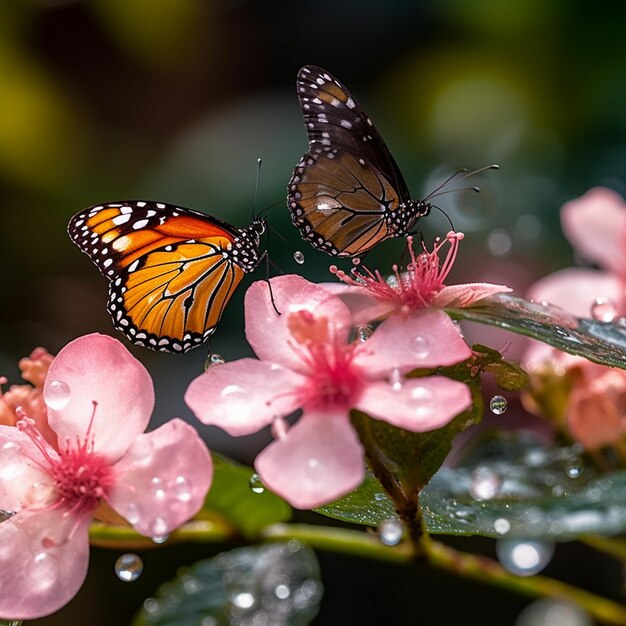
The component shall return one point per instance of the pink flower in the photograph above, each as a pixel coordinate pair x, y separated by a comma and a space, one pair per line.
30, 397
371, 296
595, 225
99, 399
307, 361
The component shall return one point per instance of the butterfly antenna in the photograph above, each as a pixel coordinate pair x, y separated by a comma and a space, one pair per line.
458, 176
256, 185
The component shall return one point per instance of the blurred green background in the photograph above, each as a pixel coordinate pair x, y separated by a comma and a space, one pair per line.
174, 100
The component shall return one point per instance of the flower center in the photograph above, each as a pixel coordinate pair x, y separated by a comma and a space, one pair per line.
417, 285
332, 381
78, 477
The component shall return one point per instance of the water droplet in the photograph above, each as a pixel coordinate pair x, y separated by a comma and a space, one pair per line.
158, 487
574, 470
243, 600
129, 567
298, 257
181, 487
485, 483
152, 607
39, 496
57, 394
522, 557
363, 333
421, 399
498, 405
356, 261
603, 309
256, 484
419, 346
159, 530
548, 612
502, 526
282, 592
213, 359
42, 571
396, 379
132, 513
390, 531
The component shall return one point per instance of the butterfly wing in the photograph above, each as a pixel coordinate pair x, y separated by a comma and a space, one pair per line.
344, 193
170, 269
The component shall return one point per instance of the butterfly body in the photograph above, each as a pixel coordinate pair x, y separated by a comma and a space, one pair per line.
347, 193
171, 270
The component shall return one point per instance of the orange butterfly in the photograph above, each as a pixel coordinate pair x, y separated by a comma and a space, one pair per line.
171, 270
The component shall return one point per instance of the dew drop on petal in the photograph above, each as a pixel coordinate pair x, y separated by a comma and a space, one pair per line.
42, 571
213, 359
39, 496
128, 567
363, 333
498, 405
159, 530
502, 526
298, 257
237, 397
485, 484
419, 346
256, 484
390, 531
181, 488
524, 557
603, 309
421, 398
396, 379
57, 394
243, 600
158, 487
132, 514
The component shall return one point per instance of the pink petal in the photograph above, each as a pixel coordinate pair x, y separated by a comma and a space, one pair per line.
575, 289
467, 294
595, 225
418, 404
243, 396
97, 368
593, 419
44, 556
19, 468
422, 338
268, 332
363, 307
163, 479
319, 460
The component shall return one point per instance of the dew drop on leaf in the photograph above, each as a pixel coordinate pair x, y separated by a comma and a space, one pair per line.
256, 484
524, 557
603, 309
57, 394
128, 567
485, 483
498, 405
390, 532
549, 612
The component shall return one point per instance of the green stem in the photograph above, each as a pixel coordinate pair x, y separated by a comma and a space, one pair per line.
611, 546
362, 544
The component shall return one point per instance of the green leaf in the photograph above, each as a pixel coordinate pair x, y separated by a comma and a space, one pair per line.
600, 342
231, 496
10, 622
538, 492
368, 504
276, 583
